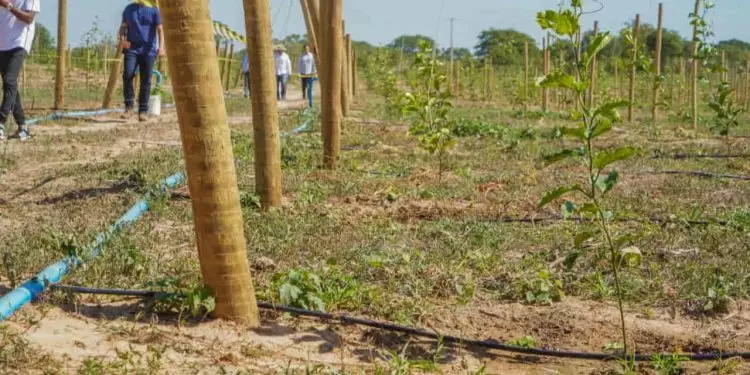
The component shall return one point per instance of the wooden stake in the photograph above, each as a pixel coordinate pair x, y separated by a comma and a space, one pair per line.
724, 68
264, 103
354, 71
594, 75
114, 75
62, 41
223, 63
207, 149
229, 60
349, 67
525, 74
545, 63
633, 68
694, 75
616, 63
333, 40
657, 64
344, 74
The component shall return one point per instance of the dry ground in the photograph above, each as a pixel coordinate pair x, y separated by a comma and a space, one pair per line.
397, 243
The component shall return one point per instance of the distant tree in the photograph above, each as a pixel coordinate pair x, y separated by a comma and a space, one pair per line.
458, 53
673, 44
506, 47
43, 41
410, 43
737, 50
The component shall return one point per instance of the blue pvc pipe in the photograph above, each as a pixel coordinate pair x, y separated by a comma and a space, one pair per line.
13, 301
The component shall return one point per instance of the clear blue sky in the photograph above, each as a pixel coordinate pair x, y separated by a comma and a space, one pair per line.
380, 21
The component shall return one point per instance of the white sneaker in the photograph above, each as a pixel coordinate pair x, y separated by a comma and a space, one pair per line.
22, 134
2, 135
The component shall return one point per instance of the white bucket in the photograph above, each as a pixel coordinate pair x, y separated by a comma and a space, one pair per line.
154, 105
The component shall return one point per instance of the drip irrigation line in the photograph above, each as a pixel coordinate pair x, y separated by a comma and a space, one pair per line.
698, 174
420, 332
700, 156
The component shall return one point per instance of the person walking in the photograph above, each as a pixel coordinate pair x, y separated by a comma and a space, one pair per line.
17, 28
306, 68
283, 70
246, 73
140, 28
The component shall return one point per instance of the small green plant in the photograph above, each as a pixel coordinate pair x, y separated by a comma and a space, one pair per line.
727, 111
400, 364
178, 297
428, 106
717, 299
307, 290
543, 289
527, 342
668, 364
599, 179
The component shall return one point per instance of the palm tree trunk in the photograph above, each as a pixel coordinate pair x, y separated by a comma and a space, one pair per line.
207, 149
333, 43
263, 96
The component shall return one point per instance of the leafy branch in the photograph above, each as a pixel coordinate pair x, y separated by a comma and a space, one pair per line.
600, 179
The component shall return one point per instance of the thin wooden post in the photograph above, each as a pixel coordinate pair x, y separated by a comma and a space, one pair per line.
354, 71
207, 149
633, 67
694, 75
747, 85
223, 63
264, 103
657, 64
230, 58
333, 39
114, 75
349, 69
62, 42
594, 75
724, 67
344, 74
525, 74
312, 36
546, 71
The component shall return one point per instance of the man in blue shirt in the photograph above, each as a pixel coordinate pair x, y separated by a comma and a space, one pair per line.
141, 25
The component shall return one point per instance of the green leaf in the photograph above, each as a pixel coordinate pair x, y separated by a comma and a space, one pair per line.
560, 80
596, 44
601, 127
568, 209
606, 183
608, 110
289, 294
570, 260
608, 157
557, 193
563, 23
631, 256
564, 154
625, 240
582, 237
574, 132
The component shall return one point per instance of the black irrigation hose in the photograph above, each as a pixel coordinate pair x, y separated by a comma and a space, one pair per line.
699, 174
488, 344
700, 156
652, 219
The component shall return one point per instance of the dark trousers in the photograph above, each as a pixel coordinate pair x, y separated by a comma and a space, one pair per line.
246, 75
306, 86
11, 63
281, 81
145, 64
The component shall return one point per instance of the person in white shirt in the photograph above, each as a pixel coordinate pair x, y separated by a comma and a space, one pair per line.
306, 68
246, 73
17, 28
283, 70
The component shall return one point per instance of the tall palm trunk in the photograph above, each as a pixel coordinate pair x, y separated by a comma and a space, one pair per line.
333, 43
207, 149
265, 116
